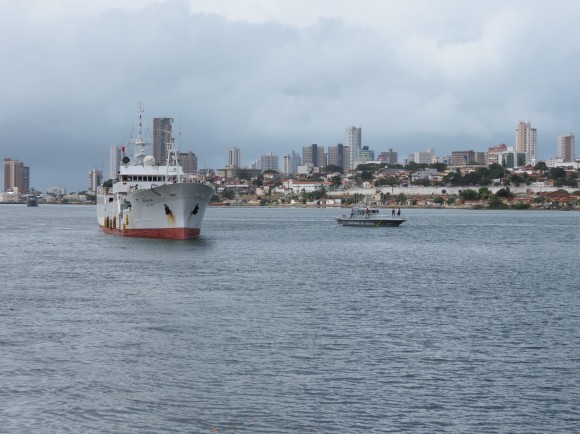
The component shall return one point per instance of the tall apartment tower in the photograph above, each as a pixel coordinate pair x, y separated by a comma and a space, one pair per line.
527, 141
162, 129
268, 161
353, 141
313, 155
390, 157
16, 176
566, 147
115, 155
234, 158
336, 155
291, 163
188, 161
95, 179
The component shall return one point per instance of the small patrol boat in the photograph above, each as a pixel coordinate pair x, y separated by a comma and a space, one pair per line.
366, 216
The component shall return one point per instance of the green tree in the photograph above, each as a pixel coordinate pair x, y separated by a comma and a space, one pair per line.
520, 205
416, 166
424, 182
228, 193
484, 193
453, 178
504, 192
332, 168
516, 179
336, 181
363, 176
496, 203
556, 173
468, 194
440, 167
390, 181
401, 198
496, 171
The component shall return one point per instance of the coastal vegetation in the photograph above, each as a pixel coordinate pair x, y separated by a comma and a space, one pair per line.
475, 187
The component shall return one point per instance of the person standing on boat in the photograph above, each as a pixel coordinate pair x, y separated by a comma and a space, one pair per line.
393, 213
351, 212
367, 212
399, 212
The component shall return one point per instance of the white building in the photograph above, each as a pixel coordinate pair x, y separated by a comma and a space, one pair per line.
268, 161
299, 187
95, 179
424, 157
559, 162
353, 141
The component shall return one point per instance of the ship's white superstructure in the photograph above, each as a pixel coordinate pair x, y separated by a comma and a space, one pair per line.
148, 200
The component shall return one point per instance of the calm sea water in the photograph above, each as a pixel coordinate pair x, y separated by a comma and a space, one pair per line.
277, 320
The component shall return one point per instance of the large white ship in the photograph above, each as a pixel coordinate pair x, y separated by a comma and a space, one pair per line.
152, 201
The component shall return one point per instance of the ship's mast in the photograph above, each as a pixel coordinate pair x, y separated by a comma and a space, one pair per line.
172, 154
139, 141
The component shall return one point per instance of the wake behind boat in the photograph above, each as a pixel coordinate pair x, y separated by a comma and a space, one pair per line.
152, 201
365, 216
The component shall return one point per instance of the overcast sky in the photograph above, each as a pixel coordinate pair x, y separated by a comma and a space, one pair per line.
277, 75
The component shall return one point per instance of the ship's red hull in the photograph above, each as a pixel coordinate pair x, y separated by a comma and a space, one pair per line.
162, 233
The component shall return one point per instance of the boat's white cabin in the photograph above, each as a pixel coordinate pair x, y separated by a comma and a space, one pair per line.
146, 177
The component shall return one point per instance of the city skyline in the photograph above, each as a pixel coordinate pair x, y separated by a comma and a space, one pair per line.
524, 146
278, 76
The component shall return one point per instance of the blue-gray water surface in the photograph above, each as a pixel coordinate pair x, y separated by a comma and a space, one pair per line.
278, 320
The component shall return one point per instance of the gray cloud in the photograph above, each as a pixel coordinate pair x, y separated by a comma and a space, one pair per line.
452, 77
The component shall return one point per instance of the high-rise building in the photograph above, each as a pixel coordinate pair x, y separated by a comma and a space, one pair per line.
367, 154
527, 141
494, 152
336, 155
389, 157
511, 158
463, 158
234, 158
115, 156
16, 176
188, 161
95, 179
162, 129
313, 155
566, 147
291, 163
423, 157
353, 141
268, 161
